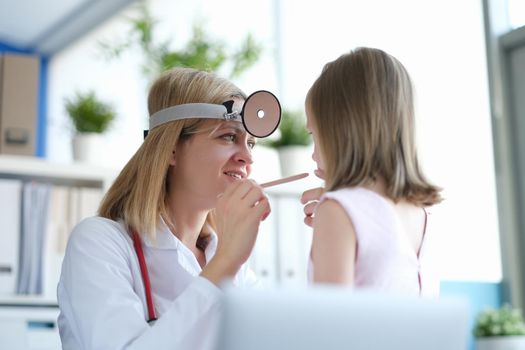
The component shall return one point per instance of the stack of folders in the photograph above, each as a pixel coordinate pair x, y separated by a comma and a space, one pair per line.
37, 219
10, 216
35, 202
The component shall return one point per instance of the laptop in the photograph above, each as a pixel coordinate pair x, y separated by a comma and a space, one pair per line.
326, 318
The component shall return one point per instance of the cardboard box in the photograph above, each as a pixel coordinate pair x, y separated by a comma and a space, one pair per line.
19, 77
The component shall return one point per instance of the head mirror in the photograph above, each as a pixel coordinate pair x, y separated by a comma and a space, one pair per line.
260, 115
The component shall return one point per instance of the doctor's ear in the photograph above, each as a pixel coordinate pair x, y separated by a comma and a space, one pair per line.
172, 159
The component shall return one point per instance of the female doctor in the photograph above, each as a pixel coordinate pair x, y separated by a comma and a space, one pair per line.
181, 217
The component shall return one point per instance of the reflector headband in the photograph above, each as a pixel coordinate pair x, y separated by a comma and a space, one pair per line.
192, 110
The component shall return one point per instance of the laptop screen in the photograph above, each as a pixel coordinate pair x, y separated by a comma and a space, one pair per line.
325, 318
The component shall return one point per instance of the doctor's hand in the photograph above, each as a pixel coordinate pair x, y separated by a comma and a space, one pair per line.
238, 213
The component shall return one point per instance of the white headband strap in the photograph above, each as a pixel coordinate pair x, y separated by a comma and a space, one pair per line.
192, 110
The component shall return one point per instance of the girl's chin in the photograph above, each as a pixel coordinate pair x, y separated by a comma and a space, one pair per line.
319, 173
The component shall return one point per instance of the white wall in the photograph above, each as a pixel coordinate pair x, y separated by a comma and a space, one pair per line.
440, 43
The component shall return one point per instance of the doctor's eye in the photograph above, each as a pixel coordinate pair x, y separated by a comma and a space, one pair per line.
229, 137
251, 143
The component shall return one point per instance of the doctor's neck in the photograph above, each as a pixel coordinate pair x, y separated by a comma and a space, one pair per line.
186, 226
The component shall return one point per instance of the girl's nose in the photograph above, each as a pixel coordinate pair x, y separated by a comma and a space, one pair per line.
314, 156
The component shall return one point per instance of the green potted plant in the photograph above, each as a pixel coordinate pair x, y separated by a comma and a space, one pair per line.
500, 329
292, 143
90, 118
200, 52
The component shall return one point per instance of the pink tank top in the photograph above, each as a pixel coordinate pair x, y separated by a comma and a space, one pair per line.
385, 259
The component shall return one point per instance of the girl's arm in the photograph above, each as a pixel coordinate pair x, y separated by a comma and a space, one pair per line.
333, 245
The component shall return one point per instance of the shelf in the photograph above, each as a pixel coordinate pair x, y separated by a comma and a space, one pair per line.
74, 174
86, 183
27, 301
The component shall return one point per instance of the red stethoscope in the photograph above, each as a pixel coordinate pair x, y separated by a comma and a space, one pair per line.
145, 275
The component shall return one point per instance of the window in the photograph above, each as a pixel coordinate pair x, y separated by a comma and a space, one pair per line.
516, 12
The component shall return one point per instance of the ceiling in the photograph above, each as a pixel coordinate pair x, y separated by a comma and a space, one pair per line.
46, 27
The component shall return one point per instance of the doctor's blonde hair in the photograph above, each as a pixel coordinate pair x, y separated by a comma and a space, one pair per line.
138, 196
362, 106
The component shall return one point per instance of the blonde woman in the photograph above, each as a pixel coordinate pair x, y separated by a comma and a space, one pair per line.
370, 222
181, 217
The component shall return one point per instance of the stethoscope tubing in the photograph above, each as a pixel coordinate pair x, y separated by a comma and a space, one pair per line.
137, 243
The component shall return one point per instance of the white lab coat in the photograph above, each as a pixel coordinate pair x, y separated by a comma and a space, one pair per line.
102, 299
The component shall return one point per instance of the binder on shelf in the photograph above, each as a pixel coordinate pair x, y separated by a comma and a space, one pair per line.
35, 204
59, 219
67, 206
263, 261
55, 240
10, 216
89, 201
73, 213
19, 76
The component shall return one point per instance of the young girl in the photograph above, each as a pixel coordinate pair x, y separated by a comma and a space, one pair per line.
369, 225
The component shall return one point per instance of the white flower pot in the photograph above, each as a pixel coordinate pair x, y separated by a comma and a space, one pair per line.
87, 147
501, 343
295, 160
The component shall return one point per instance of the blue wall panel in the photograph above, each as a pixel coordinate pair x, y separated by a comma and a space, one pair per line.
480, 295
